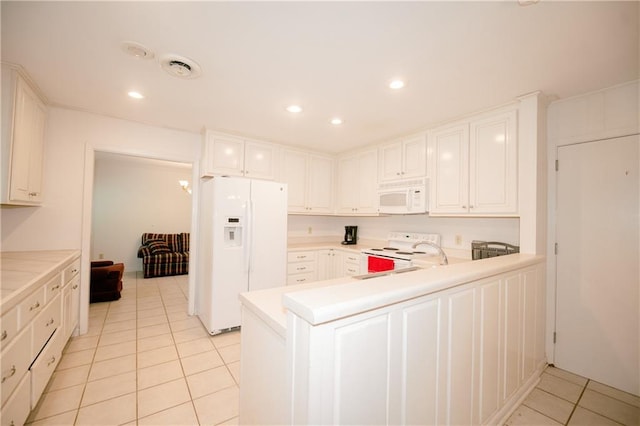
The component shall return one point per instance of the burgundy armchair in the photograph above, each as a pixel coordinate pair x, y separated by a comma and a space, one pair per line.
106, 281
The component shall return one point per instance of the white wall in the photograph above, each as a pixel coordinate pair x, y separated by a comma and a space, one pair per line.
57, 224
488, 229
132, 196
64, 219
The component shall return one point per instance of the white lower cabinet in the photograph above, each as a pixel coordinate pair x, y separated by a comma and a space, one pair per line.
15, 362
44, 325
37, 329
329, 264
350, 264
17, 408
461, 356
70, 306
44, 366
317, 265
334, 263
301, 267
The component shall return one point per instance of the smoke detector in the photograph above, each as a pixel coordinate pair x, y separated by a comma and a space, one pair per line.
179, 66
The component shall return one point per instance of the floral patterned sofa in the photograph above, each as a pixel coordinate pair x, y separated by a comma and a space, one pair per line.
164, 254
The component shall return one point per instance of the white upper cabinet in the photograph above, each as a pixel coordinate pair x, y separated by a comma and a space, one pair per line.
473, 167
22, 140
358, 183
310, 182
404, 159
231, 156
449, 170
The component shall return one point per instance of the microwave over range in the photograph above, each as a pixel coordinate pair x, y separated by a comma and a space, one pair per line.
403, 197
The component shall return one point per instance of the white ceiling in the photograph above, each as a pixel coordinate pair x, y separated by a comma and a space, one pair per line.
332, 58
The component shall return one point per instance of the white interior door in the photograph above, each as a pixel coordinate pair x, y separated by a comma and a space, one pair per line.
597, 311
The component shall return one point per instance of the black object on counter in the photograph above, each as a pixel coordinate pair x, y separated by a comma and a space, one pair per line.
350, 235
485, 249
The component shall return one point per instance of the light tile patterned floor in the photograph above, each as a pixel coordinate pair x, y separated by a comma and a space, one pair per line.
144, 361
562, 398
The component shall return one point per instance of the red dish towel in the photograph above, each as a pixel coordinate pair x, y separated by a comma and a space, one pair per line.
379, 264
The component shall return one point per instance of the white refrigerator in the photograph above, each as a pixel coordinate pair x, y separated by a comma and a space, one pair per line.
243, 245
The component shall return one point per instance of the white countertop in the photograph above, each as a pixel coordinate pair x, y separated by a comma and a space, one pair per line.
22, 271
333, 243
325, 301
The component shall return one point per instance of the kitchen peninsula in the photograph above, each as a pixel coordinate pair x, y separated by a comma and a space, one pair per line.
457, 344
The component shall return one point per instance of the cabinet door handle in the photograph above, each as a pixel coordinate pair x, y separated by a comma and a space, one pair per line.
301, 268
36, 306
74, 270
75, 286
51, 321
13, 371
51, 361
33, 194
55, 287
4, 335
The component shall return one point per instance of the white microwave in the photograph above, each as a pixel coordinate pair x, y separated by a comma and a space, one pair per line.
403, 197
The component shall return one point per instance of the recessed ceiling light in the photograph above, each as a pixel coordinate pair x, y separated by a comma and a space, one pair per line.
138, 50
294, 108
396, 84
336, 121
135, 95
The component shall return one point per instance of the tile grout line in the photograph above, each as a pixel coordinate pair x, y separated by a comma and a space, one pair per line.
577, 401
136, 295
184, 375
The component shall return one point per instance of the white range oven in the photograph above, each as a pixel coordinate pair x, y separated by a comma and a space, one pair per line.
398, 252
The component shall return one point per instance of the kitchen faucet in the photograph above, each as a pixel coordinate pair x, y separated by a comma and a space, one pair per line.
441, 252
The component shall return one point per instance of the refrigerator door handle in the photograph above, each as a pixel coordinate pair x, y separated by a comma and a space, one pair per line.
248, 237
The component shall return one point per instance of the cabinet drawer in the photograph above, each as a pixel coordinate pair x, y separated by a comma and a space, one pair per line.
301, 278
53, 288
45, 324
350, 269
44, 365
71, 270
352, 258
301, 256
9, 329
17, 408
15, 362
301, 267
30, 307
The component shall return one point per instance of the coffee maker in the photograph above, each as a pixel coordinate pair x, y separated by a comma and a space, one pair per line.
350, 235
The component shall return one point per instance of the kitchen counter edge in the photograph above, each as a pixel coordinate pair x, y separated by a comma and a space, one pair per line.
50, 262
324, 301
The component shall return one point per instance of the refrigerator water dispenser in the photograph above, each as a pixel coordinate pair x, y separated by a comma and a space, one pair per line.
233, 232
